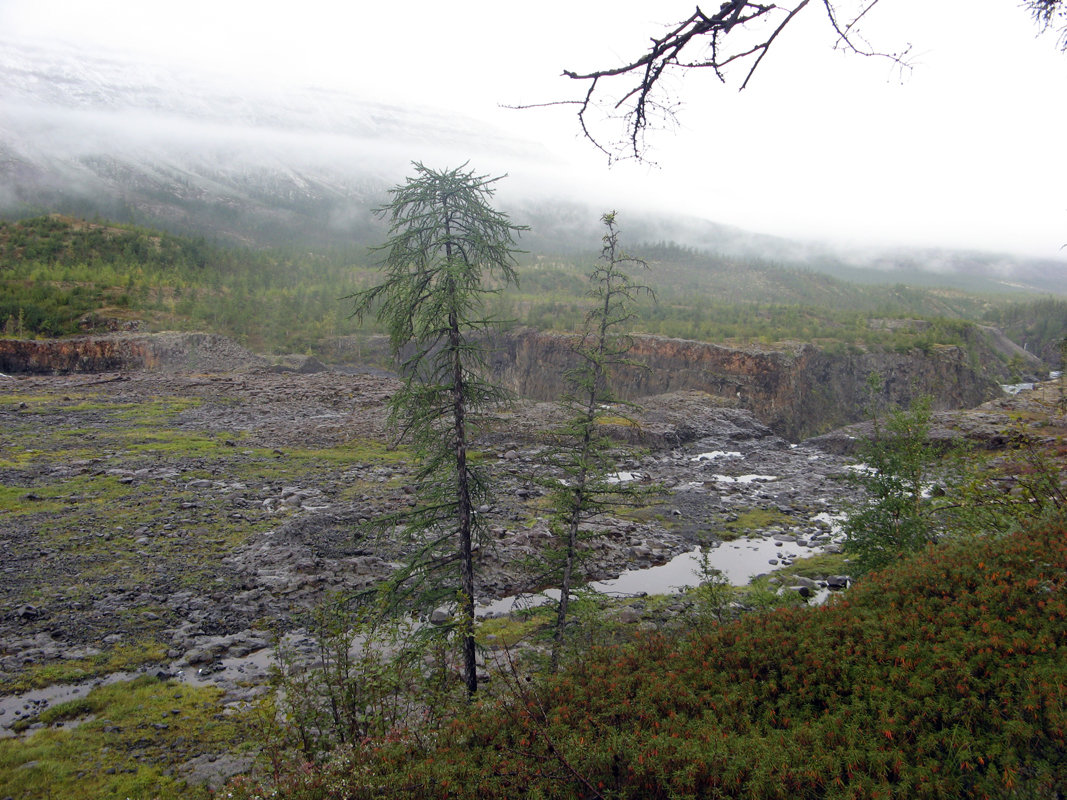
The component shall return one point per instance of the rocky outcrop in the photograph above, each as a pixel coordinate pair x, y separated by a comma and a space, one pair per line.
165, 352
1006, 422
1007, 349
796, 389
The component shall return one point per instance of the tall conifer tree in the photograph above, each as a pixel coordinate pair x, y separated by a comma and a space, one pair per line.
447, 250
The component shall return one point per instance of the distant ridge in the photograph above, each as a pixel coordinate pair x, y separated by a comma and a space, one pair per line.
97, 137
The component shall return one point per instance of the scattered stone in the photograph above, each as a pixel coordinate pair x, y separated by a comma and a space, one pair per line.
439, 616
309, 549
629, 615
214, 769
838, 582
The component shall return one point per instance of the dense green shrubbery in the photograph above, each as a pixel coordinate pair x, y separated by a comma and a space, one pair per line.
1038, 325
943, 677
893, 517
58, 274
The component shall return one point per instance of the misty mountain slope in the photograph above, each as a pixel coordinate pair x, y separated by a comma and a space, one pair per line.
61, 275
91, 136
81, 134
962, 269
685, 275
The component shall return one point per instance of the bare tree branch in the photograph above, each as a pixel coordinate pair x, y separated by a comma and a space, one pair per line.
766, 46
644, 102
740, 33
1050, 14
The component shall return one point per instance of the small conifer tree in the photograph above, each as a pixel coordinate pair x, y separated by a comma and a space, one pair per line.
447, 250
583, 449
894, 518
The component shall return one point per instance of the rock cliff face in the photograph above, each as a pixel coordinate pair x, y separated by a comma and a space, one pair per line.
797, 391
186, 352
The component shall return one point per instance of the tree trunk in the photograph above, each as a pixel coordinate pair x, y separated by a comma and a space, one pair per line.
565, 590
463, 513
463, 493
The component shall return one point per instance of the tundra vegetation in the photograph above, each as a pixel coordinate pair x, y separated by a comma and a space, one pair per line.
916, 492
939, 674
939, 677
895, 474
128, 738
60, 276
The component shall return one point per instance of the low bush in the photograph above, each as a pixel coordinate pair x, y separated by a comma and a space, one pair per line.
941, 677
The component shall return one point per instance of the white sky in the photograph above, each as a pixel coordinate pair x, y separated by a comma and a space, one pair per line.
963, 151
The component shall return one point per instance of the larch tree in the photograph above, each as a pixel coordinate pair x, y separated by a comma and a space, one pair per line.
894, 516
582, 453
447, 250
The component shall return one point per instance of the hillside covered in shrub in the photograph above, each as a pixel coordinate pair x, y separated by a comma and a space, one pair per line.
61, 276
942, 677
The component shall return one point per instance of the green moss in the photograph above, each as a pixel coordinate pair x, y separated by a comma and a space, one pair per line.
57, 452
508, 631
818, 566
84, 491
761, 595
159, 443
140, 411
19, 500
750, 521
120, 658
69, 711
624, 422
130, 739
643, 513
14, 400
355, 451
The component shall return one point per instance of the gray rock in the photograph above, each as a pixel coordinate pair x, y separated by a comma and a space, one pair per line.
629, 615
311, 365
439, 616
214, 770
838, 582
198, 656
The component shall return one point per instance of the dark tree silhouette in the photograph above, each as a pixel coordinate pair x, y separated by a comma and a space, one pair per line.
736, 36
1050, 14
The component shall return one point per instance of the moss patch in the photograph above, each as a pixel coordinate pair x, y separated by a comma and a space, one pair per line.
622, 422
115, 659
132, 738
509, 630
752, 520
818, 566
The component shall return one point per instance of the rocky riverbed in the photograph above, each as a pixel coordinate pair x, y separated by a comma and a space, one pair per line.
201, 509
178, 522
